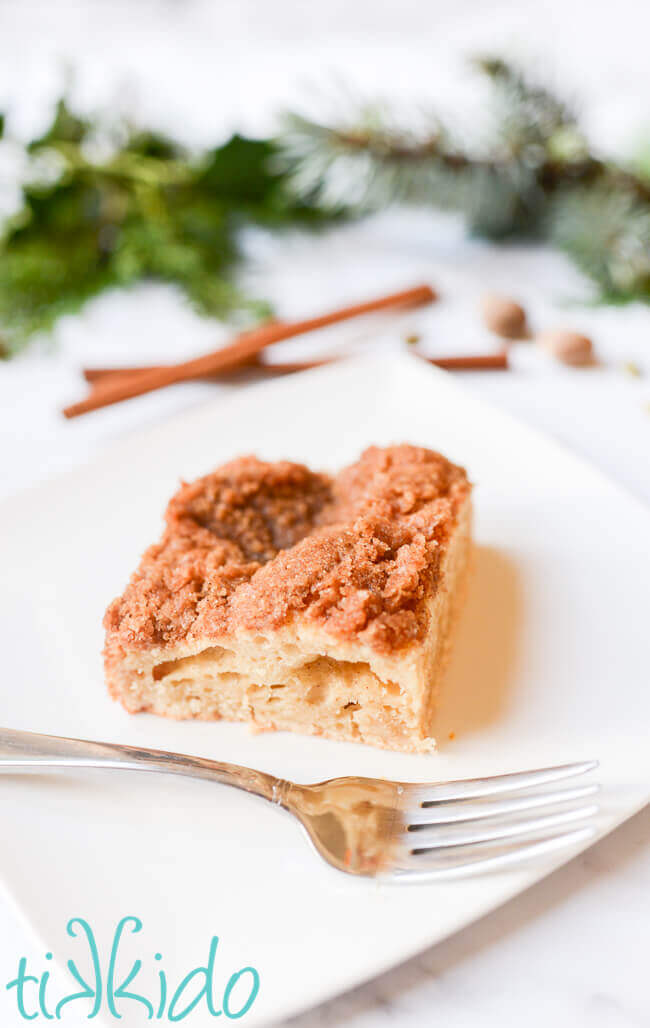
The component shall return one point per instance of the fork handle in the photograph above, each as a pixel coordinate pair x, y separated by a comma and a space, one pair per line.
30, 750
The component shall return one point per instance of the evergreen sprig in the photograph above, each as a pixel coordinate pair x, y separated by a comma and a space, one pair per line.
106, 208
535, 176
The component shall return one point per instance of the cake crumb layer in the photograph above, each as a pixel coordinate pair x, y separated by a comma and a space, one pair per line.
254, 545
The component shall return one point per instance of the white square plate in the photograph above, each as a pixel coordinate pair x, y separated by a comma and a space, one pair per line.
550, 664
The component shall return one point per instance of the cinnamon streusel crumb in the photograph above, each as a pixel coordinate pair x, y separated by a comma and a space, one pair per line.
254, 544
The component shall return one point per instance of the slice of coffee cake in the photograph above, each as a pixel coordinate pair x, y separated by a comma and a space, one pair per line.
295, 600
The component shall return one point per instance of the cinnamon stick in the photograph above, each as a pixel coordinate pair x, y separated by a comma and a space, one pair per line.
97, 376
471, 362
243, 347
476, 362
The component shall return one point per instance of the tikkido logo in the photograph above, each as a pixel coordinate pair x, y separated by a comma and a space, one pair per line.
107, 991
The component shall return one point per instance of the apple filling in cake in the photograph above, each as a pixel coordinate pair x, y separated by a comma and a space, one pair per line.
296, 600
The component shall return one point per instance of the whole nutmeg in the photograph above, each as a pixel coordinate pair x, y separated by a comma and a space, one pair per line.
504, 316
568, 347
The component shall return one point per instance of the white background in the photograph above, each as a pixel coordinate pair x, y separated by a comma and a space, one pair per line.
573, 949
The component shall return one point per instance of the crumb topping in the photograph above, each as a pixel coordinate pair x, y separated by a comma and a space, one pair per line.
254, 545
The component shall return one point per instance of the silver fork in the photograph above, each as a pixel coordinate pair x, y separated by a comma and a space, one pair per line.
368, 826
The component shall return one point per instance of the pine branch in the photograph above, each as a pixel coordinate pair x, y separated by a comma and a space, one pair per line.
535, 177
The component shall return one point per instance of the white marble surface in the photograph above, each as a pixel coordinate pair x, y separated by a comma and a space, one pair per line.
573, 950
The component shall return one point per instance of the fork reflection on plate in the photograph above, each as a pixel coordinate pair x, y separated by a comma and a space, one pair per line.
369, 826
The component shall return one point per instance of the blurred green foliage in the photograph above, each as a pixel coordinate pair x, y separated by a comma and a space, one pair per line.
146, 209
108, 207
531, 175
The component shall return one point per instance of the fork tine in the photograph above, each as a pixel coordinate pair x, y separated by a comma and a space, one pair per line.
472, 788
421, 867
447, 813
437, 837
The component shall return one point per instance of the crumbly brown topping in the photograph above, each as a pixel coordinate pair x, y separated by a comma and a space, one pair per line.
254, 545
